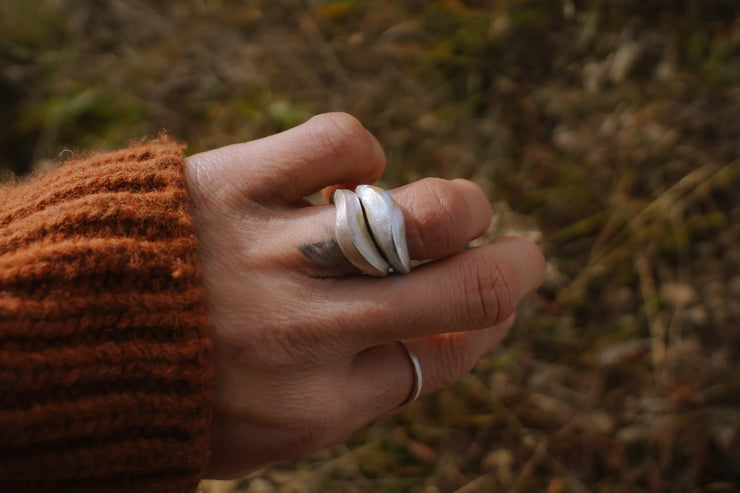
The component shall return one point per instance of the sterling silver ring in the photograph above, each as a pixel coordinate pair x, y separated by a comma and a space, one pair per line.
416, 390
386, 223
370, 231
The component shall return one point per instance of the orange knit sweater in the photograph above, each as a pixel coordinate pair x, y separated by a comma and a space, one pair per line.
104, 351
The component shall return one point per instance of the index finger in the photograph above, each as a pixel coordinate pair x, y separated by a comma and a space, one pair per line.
284, 168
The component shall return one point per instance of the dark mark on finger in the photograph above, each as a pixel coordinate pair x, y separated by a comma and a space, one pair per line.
328, 255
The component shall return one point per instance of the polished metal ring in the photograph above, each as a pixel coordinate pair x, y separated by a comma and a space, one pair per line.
387, 225
370, 231
416, 389
353, 235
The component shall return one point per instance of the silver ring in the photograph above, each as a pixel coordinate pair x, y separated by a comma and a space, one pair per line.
353, 236
416, 391
370, 231
387, 225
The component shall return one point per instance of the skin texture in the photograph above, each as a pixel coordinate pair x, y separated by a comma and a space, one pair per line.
306, 349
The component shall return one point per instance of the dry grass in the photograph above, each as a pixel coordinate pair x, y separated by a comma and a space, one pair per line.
610, 128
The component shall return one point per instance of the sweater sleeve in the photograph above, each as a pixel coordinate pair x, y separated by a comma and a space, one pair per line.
104, 353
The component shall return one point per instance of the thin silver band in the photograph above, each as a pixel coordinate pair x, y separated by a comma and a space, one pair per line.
416, 391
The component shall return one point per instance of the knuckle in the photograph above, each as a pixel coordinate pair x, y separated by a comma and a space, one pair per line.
340, 135
486, 294
441, 211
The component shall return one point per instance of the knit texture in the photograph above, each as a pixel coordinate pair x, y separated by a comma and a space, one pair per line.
104, 352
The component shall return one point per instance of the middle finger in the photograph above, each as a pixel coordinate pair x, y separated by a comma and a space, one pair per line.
441, 217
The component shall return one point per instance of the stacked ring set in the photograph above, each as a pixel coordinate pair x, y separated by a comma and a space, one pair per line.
370, 231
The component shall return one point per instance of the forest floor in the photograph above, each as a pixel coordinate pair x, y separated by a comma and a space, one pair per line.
608, 131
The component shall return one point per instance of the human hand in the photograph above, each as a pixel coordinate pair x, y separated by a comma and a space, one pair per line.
305, 349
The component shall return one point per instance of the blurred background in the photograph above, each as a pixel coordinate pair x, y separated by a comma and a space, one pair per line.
607, 130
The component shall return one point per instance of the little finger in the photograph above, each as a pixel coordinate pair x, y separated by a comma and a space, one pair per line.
385, 377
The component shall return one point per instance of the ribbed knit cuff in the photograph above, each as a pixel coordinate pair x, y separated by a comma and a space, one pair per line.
104, 351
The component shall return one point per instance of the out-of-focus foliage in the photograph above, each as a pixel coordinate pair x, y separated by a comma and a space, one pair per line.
609, 129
